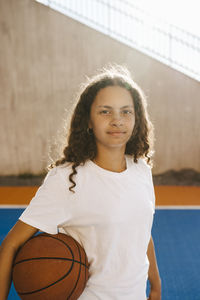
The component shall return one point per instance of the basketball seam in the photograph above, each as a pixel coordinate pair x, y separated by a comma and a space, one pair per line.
78, 273
45, 257
85, 269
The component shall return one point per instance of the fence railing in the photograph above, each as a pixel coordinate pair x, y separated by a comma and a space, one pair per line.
124, 21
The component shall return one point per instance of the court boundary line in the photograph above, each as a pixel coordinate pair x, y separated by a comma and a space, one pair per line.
12, 206
158, 207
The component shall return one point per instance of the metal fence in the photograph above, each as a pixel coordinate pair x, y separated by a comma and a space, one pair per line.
124, 21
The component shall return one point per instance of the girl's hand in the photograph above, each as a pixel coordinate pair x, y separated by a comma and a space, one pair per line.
153, 274
155, 294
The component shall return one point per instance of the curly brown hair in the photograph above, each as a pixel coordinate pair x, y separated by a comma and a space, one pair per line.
81, 144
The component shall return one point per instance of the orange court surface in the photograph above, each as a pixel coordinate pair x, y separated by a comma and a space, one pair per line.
165, 195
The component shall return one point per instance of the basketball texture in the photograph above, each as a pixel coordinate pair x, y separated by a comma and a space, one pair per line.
50, 267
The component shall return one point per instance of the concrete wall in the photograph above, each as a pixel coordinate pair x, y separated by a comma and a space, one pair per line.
44, 58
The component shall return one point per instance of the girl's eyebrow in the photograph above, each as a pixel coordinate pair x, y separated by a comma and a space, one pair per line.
110, 107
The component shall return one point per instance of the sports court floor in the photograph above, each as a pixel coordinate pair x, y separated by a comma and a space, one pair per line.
176, 235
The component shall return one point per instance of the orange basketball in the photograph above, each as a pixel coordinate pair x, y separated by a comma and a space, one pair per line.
50, 267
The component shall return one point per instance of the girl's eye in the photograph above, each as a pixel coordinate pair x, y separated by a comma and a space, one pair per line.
127, 112
104, 112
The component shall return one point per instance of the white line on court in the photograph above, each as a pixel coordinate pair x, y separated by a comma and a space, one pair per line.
177, 206
12, 206
157, 206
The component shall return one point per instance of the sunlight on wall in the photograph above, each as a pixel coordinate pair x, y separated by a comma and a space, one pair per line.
184, 14
164, 30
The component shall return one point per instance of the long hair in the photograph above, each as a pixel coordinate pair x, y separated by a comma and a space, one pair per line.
81, 144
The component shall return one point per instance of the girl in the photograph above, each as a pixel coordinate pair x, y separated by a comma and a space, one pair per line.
100, 192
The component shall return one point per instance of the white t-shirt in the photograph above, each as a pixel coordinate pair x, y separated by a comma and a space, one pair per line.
110, 215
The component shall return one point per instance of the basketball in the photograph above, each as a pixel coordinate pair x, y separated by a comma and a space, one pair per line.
50, 267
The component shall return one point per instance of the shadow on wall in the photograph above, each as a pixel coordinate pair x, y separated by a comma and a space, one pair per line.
187, 177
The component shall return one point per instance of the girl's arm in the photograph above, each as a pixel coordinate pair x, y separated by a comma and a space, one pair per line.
17, 236
153, 274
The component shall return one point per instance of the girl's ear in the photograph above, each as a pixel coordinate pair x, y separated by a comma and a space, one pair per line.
90, 124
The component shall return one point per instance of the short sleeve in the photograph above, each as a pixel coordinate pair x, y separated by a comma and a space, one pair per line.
148, 174
152, 189
45, 211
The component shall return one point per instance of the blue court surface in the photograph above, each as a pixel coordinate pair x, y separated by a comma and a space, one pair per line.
176, 234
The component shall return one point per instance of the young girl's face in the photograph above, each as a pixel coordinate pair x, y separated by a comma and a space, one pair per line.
112, 117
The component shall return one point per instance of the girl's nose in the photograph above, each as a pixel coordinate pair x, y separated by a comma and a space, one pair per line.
116, 119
